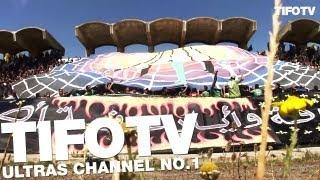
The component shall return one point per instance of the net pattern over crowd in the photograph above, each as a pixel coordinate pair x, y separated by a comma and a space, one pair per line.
191, 66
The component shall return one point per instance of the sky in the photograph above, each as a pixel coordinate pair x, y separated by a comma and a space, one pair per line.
60, 17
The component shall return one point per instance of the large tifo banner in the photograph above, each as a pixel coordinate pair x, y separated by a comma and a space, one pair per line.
192, 66
219, 121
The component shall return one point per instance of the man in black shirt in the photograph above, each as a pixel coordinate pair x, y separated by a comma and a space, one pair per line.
277, 92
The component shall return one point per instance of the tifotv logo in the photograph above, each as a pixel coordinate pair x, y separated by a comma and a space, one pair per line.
296, 10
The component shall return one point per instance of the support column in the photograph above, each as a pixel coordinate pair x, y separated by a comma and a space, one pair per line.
215, 39
120, 49
183, 34
243, 45
149, 39
150, 49
90, 51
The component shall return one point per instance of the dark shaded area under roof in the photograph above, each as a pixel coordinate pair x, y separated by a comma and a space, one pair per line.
32, 39
300, 32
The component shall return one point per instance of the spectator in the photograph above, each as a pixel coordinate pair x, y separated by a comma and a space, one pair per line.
301, 89
127, 90
315, 89
234, 90
194, 92
214, 91
10, 95
108, 88
277, 92
164, 91
89, 91
257, 92
146, 91
48, 95
291, 90
205, 92
183, 91
38, 95
61, 93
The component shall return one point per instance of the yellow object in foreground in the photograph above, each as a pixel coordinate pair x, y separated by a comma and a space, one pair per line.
208, 166
292, 105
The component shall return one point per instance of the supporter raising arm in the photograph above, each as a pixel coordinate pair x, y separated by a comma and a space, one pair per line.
108, 88
214, 91
234, 90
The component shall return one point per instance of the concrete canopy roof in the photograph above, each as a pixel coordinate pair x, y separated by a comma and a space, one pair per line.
202, 29
165, 30
8, 44
131, 32
300, 32
237, 30
95, 34
32, 39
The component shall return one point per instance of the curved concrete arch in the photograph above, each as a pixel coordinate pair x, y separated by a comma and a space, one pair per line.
131, 31
166, 30
95, 34
8, 43
240, 18
237, 30
202, 29
300, 32
36, 40
32, 39
31, 28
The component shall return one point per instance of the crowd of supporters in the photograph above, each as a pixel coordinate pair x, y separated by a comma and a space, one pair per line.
21, 66
15, 68
309, 55
233, 89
